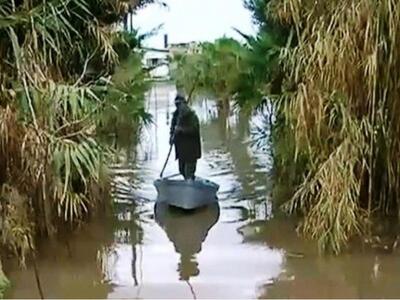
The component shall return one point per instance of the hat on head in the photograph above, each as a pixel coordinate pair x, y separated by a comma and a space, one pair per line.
179, 98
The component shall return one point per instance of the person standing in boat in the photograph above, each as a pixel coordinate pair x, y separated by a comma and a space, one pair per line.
185, 135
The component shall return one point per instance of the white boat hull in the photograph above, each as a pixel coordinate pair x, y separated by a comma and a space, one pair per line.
186, 194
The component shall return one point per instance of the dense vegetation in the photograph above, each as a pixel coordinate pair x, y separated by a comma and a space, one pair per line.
56, 94
329, 70
343, 111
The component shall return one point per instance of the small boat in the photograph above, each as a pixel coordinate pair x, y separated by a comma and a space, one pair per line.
186, 194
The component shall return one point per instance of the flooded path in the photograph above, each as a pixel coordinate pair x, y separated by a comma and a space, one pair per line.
231, 250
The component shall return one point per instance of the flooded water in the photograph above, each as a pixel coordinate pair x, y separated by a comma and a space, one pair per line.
235, 249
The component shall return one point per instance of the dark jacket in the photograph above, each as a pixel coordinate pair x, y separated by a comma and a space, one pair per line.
187, 142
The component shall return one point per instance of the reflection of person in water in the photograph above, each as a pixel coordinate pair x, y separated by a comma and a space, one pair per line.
188, 267
187, 231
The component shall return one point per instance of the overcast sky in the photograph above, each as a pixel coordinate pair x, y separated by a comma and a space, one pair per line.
194, 20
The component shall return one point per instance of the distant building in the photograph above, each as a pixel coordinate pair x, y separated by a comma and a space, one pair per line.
158, 61
184, 48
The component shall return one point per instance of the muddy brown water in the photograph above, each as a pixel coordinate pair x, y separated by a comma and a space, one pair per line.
235, 249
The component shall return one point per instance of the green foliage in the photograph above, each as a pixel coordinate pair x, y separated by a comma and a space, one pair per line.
258, 10
4, 283
54, 98
214, 69
16, 225
244, 72
125, 42
343, 114
124, 102
262, 73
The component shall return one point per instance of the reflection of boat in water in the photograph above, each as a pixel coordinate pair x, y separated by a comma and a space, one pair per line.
186, 194
187, 231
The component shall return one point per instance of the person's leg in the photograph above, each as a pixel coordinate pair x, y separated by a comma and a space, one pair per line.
186, 173
190, 170
182, 167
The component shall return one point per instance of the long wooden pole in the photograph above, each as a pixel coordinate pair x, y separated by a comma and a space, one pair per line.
35, 267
